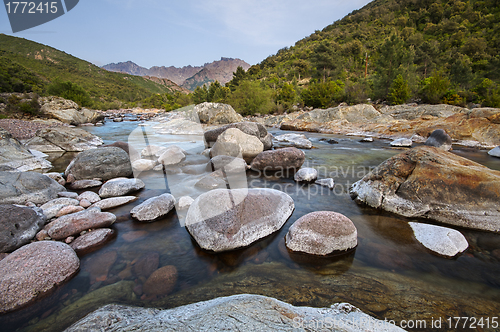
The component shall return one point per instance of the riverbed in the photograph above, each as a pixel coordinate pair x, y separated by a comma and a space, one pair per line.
389, 275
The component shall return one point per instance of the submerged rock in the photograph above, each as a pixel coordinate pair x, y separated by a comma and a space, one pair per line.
439, 139
18, 226
322, 233
225, 219
34, 270
153, 208
443, 241
242, 312
306, 175
277, 160
104, 163
161, 282
91, 240
431, 183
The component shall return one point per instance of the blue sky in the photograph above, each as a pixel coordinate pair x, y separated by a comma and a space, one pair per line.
186, 32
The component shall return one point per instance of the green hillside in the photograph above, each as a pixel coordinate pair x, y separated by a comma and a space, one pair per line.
27, 66
431, 51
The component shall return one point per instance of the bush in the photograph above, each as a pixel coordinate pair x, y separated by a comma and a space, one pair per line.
70, 91
249, 98
16, 105
323, 95
435, 87
488, 93
399, 92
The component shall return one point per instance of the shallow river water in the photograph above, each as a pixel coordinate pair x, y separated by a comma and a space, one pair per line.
389, 275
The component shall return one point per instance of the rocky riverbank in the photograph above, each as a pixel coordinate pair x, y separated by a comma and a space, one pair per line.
64, 212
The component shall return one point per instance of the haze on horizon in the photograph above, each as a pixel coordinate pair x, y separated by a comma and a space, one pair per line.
158, 33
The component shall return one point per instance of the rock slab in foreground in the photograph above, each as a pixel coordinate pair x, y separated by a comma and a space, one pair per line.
442, 240
322, 233
18, 226
242, 312
23, 187
225, 219
34, 270
431, 183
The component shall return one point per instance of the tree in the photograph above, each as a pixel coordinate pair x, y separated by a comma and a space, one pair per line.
249, 97
71, 91
238, 76
400, 92
435, 87
326, 60
200, 94
323, 94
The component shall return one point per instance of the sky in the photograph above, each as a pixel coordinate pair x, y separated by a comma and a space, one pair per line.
180, 33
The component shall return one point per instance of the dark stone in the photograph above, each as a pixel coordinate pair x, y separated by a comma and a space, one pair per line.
18, 226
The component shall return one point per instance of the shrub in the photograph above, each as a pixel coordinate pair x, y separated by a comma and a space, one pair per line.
70, 91
323, 95
399, 92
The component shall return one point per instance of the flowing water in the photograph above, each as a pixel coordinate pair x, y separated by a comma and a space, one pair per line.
389, 275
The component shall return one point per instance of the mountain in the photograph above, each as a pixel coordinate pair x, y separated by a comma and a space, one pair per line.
27, 66
435, 51
176, 75
188, 77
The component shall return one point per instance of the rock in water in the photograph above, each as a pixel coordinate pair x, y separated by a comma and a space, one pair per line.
254, 313
322, 233
228, 164
299, 141
104, 163
18, 226
34, 270
306, 175
495, 152
431, 183
216, 113
326, 183
91, 240
439, 139
227, 219
75, 223
24, 187
110, 203
278, 160
161, 282
235, 143
249, 128
153, 208
172, 155
120, 187
444, 241
402, 142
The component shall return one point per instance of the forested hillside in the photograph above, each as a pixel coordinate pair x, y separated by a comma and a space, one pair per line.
26, 66
429, 51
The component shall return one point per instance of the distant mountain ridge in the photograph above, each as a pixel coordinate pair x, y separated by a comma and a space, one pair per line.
188, 77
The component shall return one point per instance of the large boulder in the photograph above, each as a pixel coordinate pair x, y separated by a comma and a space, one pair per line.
235, 143
431, 183
243, 312
227, 219
172, 155
215, 113
34, 270
439, 139
277, 160
18, 226
24, 187
249, 128
322, 233
63, 139
412, 112
356, 113
104, 163
13, 155
68, 111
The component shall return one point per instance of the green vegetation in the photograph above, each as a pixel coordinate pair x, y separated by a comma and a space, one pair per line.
16, 104
435, 51
26, 66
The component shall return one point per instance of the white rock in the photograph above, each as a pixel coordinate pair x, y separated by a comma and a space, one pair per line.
143, 165
235, 143
120, 187
402, 142
444, 241
326, 183
185, 202
113, 202
172, 155
153, 208
306, 174
296, 140
90, 196
495, 152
